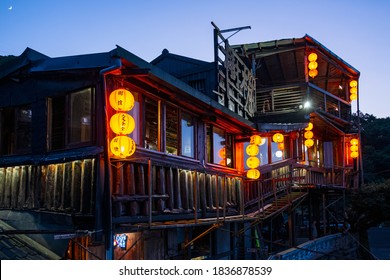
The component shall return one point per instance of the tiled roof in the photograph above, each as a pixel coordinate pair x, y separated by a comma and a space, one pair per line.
21, 247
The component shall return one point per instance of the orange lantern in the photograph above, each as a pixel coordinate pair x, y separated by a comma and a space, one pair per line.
312, 57
308, 134
309, 143
122, 123
278, 137
354, 148
313, 73
354, 142
309, 126
121, 100
353, 96
252, 150
253, 174
122, 146
354, 154
313, 65
255, 140
281, 146
253, 162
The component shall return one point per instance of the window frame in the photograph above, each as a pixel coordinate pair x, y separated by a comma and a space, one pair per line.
66, 142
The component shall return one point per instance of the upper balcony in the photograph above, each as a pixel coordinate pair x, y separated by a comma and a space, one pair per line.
284, 83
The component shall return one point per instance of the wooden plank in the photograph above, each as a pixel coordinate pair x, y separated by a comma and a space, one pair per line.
49, 188
177, 189
131, 189
184, 189
15, 186
86, 190
161, 189
76, 185
202, 193
58, 186
170, 191
67, 192
2, 186
8, 187
22, 187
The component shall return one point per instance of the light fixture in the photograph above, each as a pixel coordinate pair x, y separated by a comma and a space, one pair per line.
253, 174
252, 150
122, 123
253, 162
278, 137
313, 64
121, 100
354, 148
309, 142
353, 90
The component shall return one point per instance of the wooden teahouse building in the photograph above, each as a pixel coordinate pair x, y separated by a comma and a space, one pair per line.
107, 156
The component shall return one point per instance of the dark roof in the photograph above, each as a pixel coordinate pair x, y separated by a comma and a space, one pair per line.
21, 247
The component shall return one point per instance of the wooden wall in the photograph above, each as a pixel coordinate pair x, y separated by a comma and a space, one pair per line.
63, 187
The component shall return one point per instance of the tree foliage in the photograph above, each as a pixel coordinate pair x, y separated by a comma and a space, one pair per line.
375, 133
370, 207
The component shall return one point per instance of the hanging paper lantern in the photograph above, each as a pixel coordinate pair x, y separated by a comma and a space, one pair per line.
354, 148
252, 150
312, 57
253, 174
309, 143
122, 123
253, 162
313, 65
354, 142
122, 146
353, 96
353, 83
281, 146
278, 154
309, 126
354, 154
255, 140
308, 134
278, 137
313, 73
121, 100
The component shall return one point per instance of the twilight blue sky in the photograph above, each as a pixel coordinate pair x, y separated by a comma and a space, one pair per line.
358, 31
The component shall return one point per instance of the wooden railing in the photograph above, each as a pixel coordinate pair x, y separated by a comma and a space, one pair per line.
151, 190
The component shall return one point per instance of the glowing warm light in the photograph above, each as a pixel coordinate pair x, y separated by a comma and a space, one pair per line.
353, 96
313, 73
253, 162
312, 57
252, 150
278, 154
253, 174
309, 126
307, 104
354, 142
122, 146
278, 137
222, 153
281, 146
309, 143
354, 148
308, 134
313, 65
122, 123
121, 100
255, 140
353, 90
353, 83
354, 154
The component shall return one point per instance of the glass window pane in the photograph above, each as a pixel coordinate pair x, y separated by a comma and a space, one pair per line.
80, 116
23, 128
172, 130
219, 144
151, 124
135, 113
187, 135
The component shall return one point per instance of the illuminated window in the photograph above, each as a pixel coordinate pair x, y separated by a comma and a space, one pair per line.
187, 135
219, 146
